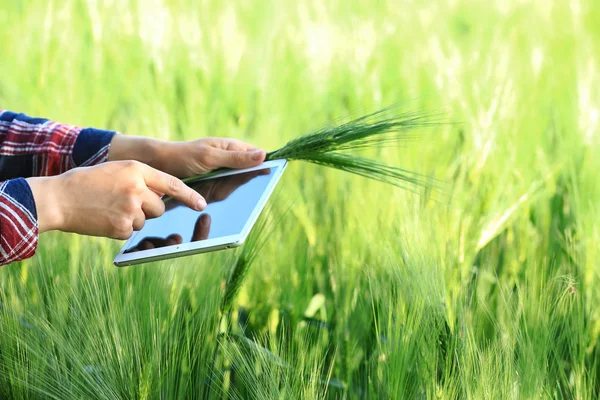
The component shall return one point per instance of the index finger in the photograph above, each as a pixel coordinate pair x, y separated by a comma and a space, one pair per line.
172, 186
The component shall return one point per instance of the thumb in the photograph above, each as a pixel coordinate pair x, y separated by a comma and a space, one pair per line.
238, 159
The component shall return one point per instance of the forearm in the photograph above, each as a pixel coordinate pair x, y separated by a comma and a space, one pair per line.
124, 147
152, 152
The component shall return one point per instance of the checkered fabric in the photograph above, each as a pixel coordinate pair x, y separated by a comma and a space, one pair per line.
37, 147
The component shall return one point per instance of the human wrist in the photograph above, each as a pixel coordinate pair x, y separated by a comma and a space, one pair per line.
142, 149
46, 194
161, 153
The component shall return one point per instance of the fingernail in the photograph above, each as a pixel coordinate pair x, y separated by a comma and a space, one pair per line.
201, 204
257, 155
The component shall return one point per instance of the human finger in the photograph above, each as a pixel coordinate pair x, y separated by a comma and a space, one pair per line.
139, 220
172, 186
152, 205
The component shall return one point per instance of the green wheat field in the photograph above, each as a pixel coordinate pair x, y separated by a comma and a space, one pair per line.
347, 288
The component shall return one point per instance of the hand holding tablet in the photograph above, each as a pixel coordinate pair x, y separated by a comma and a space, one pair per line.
213, 190
110, 200
235, 200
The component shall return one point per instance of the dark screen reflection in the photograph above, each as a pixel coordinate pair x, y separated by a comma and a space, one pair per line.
230, 199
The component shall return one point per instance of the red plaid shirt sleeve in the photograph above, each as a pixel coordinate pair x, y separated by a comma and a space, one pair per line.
37, 147
18, 221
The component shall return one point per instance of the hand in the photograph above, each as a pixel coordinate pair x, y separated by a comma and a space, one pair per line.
186, 159
213, 190
111, 199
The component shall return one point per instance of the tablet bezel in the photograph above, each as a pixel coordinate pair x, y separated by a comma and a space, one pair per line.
179, 250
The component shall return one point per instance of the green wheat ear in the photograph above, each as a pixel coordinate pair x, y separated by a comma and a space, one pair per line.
331, 146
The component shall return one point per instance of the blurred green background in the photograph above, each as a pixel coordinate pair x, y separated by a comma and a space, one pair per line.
361, 290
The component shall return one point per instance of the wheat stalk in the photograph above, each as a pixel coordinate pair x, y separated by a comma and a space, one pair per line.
330, 146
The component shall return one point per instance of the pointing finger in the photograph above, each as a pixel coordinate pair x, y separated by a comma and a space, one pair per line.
164, 183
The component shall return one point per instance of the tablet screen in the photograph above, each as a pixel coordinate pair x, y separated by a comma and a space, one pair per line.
231, 200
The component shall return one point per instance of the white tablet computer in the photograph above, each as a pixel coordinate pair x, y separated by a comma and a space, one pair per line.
235, 200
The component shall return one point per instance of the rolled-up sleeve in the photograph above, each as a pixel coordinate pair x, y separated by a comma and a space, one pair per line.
37, 147
18, 221
40, 147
